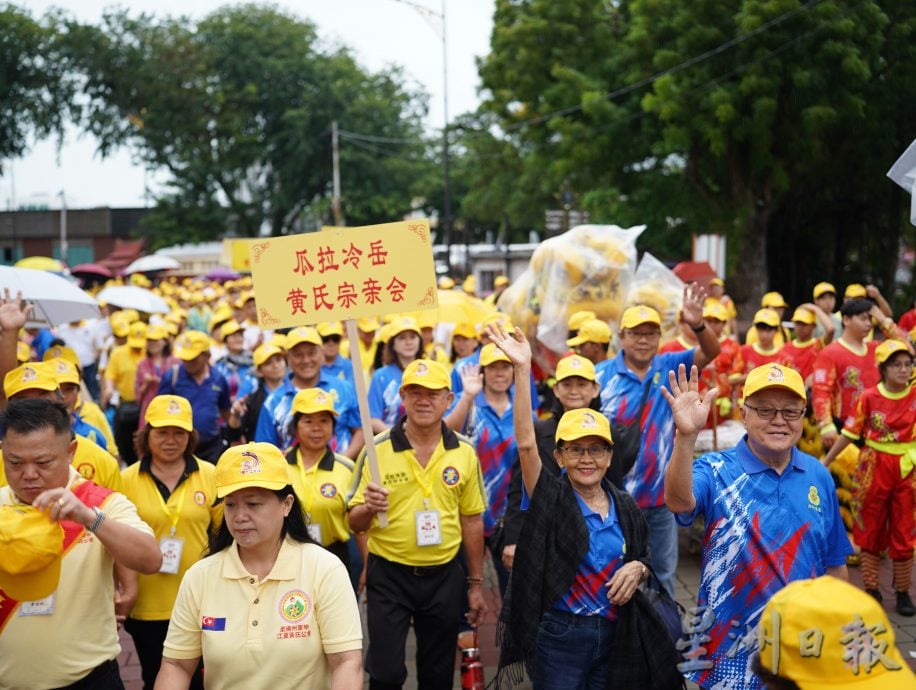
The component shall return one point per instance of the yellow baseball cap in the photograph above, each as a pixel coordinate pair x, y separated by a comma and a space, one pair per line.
768, 317
500, 281
714, 309
769, 376
264, 352
23, 352
811, 632
427, 373
64, 371
136, 335
32, 375
32, 547
577, 318
717, 281
302, 334
312, 400
404, 323
191, 344
773, 299
592, 331
228, 328
494, 318
251, 465
489, 353
466, 330
170, 410
634, 316
278, 340
367, 324
470, 284
576, 424
888, 349
222, 314
823, 288
575, 365
446, 283
802, 315
61, 352
120, 324
158, 331
855, 290
326, 329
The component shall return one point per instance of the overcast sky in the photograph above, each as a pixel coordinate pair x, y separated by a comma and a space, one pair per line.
379, 32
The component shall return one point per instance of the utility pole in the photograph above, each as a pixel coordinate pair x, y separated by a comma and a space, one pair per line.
63, 228
335, 155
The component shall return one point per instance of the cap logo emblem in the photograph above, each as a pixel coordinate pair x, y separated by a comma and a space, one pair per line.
56, 351
173, 407
775, 375
589, 421
61, 367
422, 370
29, 374
575, 363
251, 464
320, 398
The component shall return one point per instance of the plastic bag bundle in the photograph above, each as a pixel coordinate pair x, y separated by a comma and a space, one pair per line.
656, 286
587, 268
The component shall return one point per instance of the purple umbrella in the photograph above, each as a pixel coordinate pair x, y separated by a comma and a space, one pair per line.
222, 274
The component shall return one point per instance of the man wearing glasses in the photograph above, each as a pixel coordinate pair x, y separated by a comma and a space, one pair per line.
631, 397
771, 516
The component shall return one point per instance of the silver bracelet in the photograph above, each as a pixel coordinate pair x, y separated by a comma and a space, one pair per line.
99, 519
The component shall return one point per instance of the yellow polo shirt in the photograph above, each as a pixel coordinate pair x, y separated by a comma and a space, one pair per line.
92, 414
191, 505
451, 482
272, 633
322, 491
122, 370
91, 462
366, 354
56, 650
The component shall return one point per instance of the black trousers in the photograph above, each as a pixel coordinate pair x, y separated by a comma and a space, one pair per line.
105, 676
210, 449
430, 597
127, 417
149, 637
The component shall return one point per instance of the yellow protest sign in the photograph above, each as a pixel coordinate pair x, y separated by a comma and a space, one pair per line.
235, 253
344, 274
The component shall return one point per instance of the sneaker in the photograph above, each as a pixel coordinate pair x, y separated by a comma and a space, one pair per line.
876, 595
905, 604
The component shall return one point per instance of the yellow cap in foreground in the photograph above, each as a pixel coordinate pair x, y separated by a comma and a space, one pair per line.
170, 410
32, 375
61, 352
427, 373
264, 352
576, 424
191, 344
823, 288
767, 317
64, 371
634, 316
575, 365
252, 465
888, 349
489, 354
826, 634
313, 400
302, 334
32, 547
774, 376
802, 315
592, 331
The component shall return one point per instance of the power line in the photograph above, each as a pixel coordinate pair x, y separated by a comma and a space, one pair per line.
345, 134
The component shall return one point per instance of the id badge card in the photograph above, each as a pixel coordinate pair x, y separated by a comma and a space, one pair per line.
314, 530
40, 607
429, 530
171, 548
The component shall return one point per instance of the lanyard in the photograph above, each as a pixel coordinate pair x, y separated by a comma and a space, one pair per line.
173, 516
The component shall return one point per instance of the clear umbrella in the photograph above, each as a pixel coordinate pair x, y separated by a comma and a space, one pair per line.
133, 297
54, 299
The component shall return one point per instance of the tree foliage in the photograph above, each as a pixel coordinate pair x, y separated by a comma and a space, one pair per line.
238, 108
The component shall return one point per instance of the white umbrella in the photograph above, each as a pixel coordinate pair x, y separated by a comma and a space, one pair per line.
151, 263
133, 297
55, 300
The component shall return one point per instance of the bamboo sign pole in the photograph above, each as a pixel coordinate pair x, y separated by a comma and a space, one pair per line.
361, 395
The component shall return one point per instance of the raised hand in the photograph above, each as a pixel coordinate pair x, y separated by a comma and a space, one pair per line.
514, 345
690, 409
13, 312
692, 311
471, 379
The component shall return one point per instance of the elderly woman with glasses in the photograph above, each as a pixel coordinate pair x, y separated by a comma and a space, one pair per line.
884, 483
574, 615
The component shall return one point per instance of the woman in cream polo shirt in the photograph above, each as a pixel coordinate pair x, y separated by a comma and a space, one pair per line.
267, 607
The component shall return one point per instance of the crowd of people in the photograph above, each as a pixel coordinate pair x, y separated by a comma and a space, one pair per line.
205, 483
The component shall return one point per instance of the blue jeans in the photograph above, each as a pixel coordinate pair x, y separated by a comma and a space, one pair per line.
572, 652
662, 544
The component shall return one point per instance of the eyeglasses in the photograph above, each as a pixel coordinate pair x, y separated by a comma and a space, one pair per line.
790, 414
643, 335
330, 338
595, 452
764, 327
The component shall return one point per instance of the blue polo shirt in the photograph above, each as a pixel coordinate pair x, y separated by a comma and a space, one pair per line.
277, 413
87, 430
385, 394
208, 398
606, 549
621, 393
493, 435
340, 368
474, 358
763, 530
234, 374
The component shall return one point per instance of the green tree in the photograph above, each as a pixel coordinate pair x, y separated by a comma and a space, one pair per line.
238, 108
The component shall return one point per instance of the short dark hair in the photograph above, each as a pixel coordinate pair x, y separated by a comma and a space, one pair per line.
770, 680
143, 442
293, 525
35, 414
856, 306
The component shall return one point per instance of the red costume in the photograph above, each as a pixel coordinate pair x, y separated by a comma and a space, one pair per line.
840, 374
